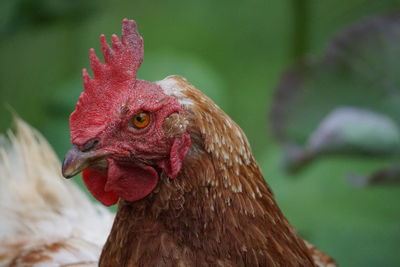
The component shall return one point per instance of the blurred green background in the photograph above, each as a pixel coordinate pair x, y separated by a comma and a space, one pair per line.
235, 51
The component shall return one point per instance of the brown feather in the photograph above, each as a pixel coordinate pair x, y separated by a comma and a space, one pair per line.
218, 212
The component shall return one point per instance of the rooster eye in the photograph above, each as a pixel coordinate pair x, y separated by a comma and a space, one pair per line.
141, 120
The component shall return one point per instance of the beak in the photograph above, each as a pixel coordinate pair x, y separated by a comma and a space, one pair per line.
76, 161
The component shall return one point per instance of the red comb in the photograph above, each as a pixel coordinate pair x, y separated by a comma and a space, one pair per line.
121, 61
111, 80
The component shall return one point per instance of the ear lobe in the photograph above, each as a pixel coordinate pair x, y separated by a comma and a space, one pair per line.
179, 149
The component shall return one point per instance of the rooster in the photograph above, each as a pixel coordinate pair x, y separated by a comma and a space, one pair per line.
44, 220
188, 188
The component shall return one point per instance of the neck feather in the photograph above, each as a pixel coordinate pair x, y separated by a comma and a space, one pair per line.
219, 208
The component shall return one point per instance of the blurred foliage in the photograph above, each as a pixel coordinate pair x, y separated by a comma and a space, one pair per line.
235, 51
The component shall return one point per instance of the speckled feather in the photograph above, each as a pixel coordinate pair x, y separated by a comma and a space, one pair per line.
217, 212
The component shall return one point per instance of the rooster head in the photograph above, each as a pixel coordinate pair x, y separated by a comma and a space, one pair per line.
121, 127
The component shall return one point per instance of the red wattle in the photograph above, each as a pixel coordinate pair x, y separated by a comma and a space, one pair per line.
131, 182
95, 181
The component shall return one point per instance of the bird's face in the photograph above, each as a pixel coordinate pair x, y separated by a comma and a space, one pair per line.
123, 141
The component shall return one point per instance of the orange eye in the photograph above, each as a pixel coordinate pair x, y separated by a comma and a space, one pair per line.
141, 120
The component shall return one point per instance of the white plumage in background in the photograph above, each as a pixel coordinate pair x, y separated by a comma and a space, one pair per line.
45, 220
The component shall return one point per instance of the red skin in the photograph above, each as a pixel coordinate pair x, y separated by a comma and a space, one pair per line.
105, 110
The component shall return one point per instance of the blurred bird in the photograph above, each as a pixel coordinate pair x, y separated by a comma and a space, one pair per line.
44, 220
347, 103
190, 192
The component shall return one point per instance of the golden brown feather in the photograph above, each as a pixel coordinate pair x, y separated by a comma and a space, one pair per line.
218, 212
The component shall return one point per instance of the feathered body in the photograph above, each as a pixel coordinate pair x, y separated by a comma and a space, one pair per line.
217, 212
189, 189
44, 220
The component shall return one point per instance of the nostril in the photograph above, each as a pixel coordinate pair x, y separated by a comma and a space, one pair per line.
90, 145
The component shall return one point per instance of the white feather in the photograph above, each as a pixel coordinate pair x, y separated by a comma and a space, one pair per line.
40, 210
172, 87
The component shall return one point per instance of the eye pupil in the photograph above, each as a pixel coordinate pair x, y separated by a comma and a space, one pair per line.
141, 120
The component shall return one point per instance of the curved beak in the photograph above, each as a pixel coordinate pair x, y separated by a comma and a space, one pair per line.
76, 161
